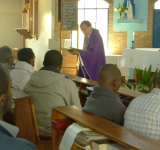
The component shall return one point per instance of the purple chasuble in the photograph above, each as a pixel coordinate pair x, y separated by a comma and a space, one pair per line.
93, 56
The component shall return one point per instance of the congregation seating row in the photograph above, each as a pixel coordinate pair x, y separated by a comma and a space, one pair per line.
25, 117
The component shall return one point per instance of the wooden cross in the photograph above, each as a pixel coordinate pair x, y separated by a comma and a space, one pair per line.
158, 65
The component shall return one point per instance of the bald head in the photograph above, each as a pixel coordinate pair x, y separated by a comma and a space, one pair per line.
110, 77
5, 53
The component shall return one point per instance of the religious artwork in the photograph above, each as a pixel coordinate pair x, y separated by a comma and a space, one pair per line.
144, 81
130, 13
25, 17
121, 9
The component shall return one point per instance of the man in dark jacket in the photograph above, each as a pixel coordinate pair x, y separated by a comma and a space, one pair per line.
104, 101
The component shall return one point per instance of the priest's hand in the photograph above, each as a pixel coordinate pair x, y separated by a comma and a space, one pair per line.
74, 52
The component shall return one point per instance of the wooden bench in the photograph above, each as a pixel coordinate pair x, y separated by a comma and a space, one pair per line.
83, 83
117, 133
25, 119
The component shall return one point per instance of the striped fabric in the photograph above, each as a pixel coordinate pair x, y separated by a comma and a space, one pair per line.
143, 115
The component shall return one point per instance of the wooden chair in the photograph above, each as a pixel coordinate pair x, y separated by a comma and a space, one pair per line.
25, 119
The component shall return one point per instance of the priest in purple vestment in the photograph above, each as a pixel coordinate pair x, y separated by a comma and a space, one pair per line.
93, 56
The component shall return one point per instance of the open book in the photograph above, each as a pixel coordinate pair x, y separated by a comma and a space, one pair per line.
71, 49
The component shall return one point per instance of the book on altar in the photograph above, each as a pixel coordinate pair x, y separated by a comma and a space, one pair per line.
72, 49
107, 145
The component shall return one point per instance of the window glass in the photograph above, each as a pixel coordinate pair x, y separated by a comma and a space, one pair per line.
80, 16
81, 4
102, 4
90, 15
74, 39
90, 3
157, 5
102, 25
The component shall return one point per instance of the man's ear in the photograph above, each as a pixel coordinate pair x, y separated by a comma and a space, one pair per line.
115, 82
59, 67
2, 99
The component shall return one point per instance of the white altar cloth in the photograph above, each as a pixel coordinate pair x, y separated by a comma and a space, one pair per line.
141, 58
116, 59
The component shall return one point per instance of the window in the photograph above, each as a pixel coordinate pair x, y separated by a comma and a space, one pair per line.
95, 11
157, 5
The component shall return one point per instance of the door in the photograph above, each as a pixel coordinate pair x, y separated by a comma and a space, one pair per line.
156, 28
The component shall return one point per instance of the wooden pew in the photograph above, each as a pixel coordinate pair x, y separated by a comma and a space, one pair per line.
117, 133
83, 83
25, 119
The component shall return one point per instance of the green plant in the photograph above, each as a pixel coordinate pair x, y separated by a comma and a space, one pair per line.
120, 9
145, 80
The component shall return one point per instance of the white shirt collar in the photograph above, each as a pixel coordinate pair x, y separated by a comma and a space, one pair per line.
90, 34
10, 128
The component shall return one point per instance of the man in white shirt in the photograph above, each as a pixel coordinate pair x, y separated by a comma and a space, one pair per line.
8, 133
23, 68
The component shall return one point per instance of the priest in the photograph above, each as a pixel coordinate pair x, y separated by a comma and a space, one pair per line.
93, 56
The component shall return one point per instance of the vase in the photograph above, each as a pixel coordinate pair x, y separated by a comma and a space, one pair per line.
120, 16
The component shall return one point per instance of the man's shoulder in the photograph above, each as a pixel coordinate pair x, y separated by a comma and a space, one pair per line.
13, 143
66, 79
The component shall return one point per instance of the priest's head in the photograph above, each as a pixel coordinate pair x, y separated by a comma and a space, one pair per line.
5, 91
110, 77
86, 27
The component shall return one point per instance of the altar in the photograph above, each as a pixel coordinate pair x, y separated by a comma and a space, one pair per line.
116, 60
141, 58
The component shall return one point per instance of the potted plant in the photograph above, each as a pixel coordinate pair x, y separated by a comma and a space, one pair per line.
144, 81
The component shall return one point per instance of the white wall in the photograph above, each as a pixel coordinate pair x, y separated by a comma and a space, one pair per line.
40, 46
10, 18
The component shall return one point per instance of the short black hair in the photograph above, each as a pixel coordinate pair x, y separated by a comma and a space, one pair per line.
25, 54
5, 53
86, 22
53, 58
4, 81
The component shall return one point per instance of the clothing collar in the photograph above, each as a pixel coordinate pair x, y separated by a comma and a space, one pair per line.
13, 130
8, 66
90, 34
24, 66
104, 91
49, 69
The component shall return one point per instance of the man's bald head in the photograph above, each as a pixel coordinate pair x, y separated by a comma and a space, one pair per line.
110, 77
5, 53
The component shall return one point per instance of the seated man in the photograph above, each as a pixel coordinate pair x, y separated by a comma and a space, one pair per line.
50, 88
7, 57
23, 68
8, 133
103, 101
143, 113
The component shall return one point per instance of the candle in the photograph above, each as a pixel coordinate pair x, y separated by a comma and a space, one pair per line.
133, 36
